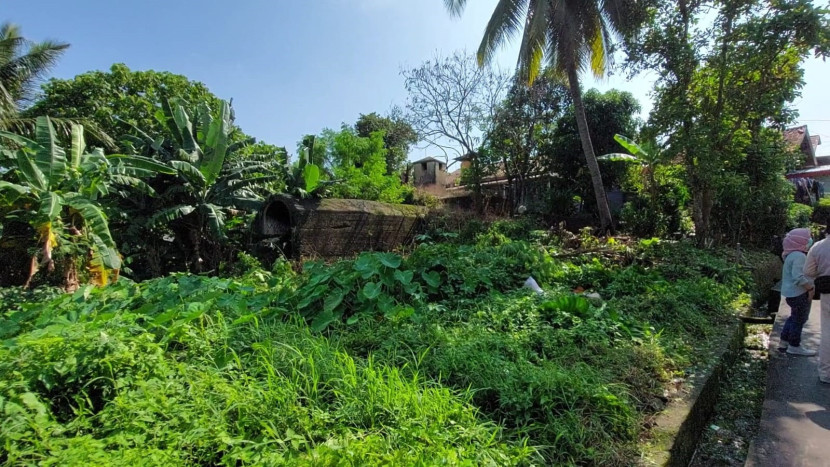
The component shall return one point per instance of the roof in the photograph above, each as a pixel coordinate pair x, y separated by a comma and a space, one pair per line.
795, 136
799, 138
428, 159
815, 141
812, 172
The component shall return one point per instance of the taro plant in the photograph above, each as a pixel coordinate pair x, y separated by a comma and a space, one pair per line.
373, 284
58, 194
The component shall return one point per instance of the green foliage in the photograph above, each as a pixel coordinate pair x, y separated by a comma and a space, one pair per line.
798, 215
660, 209
438, 357
57, 192
608, 114
360, 168
120, 99
821, 212
719, 112
522, 125
398, 137
199, 364
210, 185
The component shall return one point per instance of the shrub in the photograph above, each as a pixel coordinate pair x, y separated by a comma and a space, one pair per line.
798, 215
821, 212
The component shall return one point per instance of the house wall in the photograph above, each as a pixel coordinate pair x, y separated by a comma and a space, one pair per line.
429, 173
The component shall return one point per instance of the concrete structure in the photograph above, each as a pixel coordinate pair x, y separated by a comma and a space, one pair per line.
429, 171
795, 424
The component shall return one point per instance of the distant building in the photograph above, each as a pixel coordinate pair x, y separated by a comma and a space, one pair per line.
799, 138
813, 169
428, 171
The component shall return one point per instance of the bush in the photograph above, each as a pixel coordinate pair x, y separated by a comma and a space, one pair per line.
798, 215
821, 212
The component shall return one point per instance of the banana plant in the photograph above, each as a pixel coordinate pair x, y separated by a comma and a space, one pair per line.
58, 193
304, 179
647, 155
209, 186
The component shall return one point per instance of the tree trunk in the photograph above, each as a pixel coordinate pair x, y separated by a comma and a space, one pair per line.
606, 223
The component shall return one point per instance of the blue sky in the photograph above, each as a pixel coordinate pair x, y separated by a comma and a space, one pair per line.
296, 66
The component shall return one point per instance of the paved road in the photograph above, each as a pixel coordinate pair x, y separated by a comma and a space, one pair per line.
795, 425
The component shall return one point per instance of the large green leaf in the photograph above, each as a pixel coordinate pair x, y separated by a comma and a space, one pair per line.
169, 215
619, 157
30, 171
145, 163
51, 205
217, 145
50, 158
215, 220
190, 173
94, 219
185, 128
372, 290
135, 183
78, 146
311, 177
107, 255
246, 204
20, 140
630, 145
10, 192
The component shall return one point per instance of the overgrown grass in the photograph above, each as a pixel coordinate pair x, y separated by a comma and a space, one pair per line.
440, 357
172, 372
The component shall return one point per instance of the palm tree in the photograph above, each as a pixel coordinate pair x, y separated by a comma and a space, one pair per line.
22, 64
573, 35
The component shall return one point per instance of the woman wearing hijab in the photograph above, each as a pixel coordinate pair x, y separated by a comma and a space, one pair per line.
797, 289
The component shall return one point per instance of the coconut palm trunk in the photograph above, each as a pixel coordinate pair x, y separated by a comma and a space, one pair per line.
572, 36
588, 149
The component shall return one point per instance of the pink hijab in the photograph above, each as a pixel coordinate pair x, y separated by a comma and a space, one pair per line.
796, 240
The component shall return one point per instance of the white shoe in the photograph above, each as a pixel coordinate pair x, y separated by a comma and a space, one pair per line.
782, 346
824, 380
800, 351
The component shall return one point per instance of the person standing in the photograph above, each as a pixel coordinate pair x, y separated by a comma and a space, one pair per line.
817, 267
797, 289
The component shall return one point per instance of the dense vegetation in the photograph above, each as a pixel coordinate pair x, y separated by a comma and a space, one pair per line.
440, 355
136, 328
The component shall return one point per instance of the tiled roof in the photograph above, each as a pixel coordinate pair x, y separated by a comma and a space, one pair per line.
795, 136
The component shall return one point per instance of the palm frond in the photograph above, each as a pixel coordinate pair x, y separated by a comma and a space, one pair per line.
455, 7
534, 40
507, 19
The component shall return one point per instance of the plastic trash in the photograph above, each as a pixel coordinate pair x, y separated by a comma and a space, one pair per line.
531, 284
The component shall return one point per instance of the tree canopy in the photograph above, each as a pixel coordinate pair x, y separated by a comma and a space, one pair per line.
398, 136
120, 100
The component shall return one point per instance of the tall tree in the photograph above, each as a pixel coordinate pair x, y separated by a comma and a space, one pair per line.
22, 64
523, 126
121, 100
451, 105
728, 71
609, 113
398, 136
573, 35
